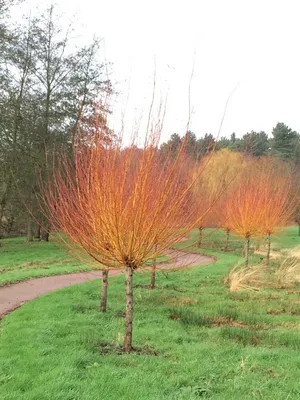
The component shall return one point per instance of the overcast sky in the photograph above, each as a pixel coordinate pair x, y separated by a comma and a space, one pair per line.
250, 43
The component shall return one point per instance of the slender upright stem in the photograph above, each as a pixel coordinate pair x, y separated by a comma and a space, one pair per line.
153, 270
29, 221
247, 247
129, 309
268, 249
227, 239
153, 275
200, 237
104, 287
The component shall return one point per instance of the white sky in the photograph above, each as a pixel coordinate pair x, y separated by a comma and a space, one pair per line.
253, 43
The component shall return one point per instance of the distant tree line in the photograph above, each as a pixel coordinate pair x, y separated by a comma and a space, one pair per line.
284, 143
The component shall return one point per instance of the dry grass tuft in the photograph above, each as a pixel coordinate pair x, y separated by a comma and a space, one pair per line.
294, 252
285, 275
246, 278
288, 272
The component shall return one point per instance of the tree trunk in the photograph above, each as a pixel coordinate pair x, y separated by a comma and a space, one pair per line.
104, 290
29, 229
299, 230
29, 219
200, 236
247, 247
153, 270
129, 309
38, 232
44, 235
268, 249
227, 239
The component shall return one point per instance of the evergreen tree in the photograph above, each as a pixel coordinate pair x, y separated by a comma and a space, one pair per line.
172, 145
256, 143
284, 142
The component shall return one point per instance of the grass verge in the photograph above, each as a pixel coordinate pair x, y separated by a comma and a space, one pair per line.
21, 260
194, 339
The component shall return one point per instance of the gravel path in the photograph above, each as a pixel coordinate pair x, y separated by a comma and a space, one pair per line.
13, 296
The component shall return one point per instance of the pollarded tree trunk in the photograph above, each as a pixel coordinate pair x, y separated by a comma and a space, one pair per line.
247, 248
153, 274
227, 239
153, 271
268, 249
104, 287
129, 309
200, 237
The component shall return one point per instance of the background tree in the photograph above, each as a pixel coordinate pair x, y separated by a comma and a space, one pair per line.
276, 201
172, 146
195, 148
219, 178
205, 209
261, 202
191, 147
245, 211
236, 143
15, 107
256, 143
47, 86
284, 141
205, 145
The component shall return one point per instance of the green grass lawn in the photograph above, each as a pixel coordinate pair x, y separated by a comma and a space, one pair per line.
287, 238
198, 340
214, 239
21, 260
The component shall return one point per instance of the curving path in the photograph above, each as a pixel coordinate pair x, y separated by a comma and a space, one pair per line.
13, 296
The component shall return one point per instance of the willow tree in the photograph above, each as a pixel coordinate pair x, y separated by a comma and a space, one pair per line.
261, 203
122, 207
278, 203
245, 209
205, 209
205, 199
220, 172
222, 218
226, 168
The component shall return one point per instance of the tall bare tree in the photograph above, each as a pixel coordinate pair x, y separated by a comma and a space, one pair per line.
47, 86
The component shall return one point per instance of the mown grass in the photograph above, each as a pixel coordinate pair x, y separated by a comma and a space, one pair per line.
287, 238
214, 239
195, 340
21, 260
